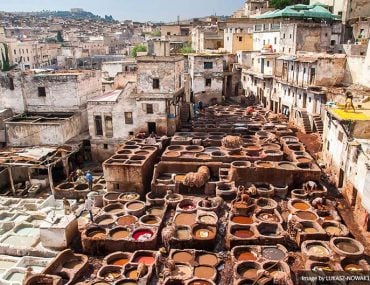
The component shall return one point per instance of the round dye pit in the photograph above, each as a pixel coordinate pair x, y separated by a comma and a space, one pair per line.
183, 233
96, 233
126, 220
243, 233
268, 217
134, 206
133, 274
303, 206
150, 220
105, 221
156, 211
82, 187
206, 272
207, 259
182, 271
187, 206
146, 259
119, 261
112, 275
142, 235
347, 247
273, 253
318, 250
333, 230
310, 230
185, 219
244, 220
182, 257
172, 154
118, 234
126, 282
203, 233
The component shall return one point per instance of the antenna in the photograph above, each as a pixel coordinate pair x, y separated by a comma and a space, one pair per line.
178, 19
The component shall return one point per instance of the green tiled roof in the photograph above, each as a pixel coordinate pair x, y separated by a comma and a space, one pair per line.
317, 11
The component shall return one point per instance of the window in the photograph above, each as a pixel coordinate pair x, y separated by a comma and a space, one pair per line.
290, 36
128, 118
208, 82
309, 99
105, 146
208, 65
244, 78
283, 36
275, 40
15, 52
11, 83
108, 126
116, 186
328, 146
332, 42
304, 70
98, 126
268, 63
240, 39
155, 83
180, 83
41, 91
149, 108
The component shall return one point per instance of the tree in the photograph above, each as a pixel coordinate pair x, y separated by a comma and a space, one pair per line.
138, 48
5, 59
187, 48
60, 37
280, 4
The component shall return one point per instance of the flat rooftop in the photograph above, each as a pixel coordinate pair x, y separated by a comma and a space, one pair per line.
360, 114
110, 96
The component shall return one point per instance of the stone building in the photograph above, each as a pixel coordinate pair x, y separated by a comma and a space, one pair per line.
116, 74
207, 77
51, 106
238, 36
206, 39
150, 105
300, 82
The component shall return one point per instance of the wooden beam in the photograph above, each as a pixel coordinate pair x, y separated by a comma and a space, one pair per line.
11, 180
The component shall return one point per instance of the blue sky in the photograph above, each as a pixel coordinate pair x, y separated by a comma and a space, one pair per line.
141, 10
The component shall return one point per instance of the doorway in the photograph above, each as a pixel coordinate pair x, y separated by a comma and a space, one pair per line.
152, 127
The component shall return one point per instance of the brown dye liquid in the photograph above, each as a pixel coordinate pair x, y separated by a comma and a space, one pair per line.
250, 273
246, 256
304, 160
151, 221
120, 235
328, 218
264, 164
243, 233
72, 264
185, 219
240, 205
120, 262
301, 206
97, 234
135, 206
333, 230
133, 274
156, 212
106, 221
207, 259
306, 216
203, 234
204, 272
172, 154
203, 156
182, 256
242, 220
347, 247
353, 267
126, 221
115, 211
310, 230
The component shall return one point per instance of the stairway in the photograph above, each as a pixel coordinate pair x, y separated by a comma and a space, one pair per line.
319, 126
184, 112
306, 124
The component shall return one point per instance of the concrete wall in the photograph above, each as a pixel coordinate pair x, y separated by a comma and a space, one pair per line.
169, 71
266, 38
44, 132
304, 37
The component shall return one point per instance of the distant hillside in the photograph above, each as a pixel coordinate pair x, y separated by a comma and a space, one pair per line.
75, 14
